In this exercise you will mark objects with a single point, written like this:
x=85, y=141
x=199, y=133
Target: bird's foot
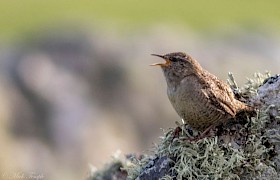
x=176, y=132
x=202, y=135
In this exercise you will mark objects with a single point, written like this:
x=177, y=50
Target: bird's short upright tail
x=246, y=109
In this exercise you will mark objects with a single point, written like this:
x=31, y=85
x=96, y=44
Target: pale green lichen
x=135, y=165
x=209, y=158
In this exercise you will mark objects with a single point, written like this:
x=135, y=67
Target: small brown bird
x=199, y=97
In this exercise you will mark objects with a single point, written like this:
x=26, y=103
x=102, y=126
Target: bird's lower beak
x=167, y=61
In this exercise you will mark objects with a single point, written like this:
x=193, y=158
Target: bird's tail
x=246, y=109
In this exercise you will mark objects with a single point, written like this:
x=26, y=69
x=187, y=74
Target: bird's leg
x=200, y=136
x=176, y=131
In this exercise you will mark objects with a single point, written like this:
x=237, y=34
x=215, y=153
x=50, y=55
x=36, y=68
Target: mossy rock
x=247, y=147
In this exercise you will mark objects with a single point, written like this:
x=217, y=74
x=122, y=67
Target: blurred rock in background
x=73, y=94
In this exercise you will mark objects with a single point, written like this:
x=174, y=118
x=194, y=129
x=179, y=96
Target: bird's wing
x=220, y=95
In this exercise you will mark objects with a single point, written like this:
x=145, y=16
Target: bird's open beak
x=167, y=61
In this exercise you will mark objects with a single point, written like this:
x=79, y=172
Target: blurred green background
x=75, y=81
x=18, y=17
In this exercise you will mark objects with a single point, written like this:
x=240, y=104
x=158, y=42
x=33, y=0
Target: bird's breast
x=182, y=96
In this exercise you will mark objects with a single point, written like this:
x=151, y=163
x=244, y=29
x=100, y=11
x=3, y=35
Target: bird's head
x=172, y=59
x=177, y=65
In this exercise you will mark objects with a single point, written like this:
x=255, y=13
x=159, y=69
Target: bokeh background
x=75, y=80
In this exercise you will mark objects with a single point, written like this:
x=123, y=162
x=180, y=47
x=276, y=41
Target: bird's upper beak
x=167, y=61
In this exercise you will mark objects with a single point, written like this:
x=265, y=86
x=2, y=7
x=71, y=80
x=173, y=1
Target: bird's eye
x=177, y=59
x=173, y=59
